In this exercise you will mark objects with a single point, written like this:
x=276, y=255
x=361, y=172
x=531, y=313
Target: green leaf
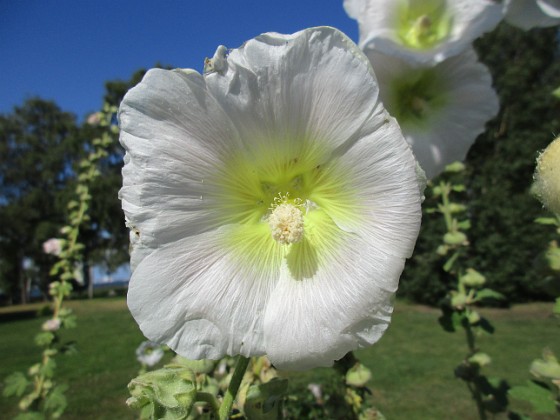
x=488, y=294
x=546, y=220
x=47, y=368
x=449, y=263
x=69, y=321
x=452, y=320
x=264, y=401
x=537, y=394
x=464, y=224
x=485, y=325
x=44, y=339
x=15, y=384
x=56, y=402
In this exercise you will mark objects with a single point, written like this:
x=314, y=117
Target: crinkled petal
x=292, y=86
x=172, y=145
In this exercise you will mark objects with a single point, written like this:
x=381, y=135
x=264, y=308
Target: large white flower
x=272, y=202
x=441, y=109
x=422, y=31
x=527, y=14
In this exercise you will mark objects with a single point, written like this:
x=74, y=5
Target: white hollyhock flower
x=422, y=31
x=441, y=109
x=272, y=202
x=527, y=14
x=52, y=246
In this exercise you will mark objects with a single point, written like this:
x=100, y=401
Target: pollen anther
x=286, y=220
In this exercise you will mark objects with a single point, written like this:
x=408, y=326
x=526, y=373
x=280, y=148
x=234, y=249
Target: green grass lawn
x=412, y=365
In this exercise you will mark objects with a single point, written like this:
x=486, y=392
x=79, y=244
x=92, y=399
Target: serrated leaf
x=15, y=384
x=538, y=395
x=56, y=401
x=47, y=368
x=44, y=339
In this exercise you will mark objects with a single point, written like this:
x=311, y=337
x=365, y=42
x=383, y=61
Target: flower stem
x=238, y=373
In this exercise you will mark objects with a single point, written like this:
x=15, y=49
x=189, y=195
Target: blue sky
x=64, y=50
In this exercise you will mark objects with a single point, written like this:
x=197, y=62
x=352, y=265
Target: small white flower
x=51, y=325
x=272, y=202
x=527, y=14
x=149, y=353
x=52, y=246
x=422, y=31
x=441, y=109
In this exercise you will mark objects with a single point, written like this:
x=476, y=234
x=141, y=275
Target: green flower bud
x=358, y=375
x=473, y=317
x=458, y=300
x=472, y=278
x=481, y=359
x=455, y=238
x=546, y=184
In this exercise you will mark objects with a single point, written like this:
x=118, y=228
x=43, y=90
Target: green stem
x=238, y=373
x=445, y=191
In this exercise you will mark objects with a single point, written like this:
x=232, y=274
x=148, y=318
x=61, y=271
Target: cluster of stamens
x=286, y=220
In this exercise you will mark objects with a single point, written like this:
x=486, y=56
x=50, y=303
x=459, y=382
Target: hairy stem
x=231, y=393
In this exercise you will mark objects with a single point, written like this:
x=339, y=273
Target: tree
x=38, y=145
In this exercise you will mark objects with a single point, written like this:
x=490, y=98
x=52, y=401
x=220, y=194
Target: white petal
x=280, y=89
x=346, y=305
x=550, y=7
x=527, y=14
x=194, y=296
x=383, y=168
